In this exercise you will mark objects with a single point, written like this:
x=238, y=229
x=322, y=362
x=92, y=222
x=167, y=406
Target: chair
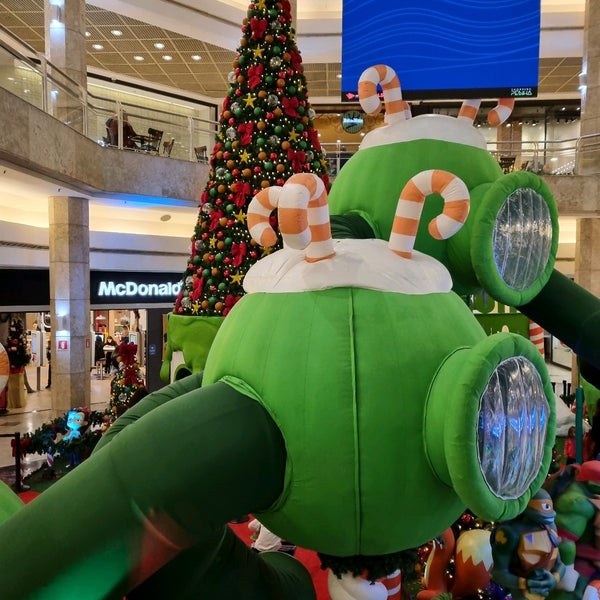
x=201, y=153
x=507, y=163
x=152, y=144
x=167, y=147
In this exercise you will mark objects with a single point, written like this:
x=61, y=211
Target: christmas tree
x=16, y=345
x=266, y=134
x=127, y=387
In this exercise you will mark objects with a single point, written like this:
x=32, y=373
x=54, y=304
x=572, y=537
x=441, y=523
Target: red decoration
x=245, y=129
x=214, y=217
x=297, y=159
x=255, y=75
x=289, y=106
x=238, y=251
x=241, y=192
x=258, y=27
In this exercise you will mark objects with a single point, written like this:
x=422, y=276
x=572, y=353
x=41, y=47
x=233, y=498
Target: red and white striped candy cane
x=410, y=205
x=496, y=116
x=536, y=336
x=303, y=214
x=393, y=585
x=259, y=212
x=396, y=109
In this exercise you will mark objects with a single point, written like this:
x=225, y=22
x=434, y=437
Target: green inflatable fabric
x=163, y=500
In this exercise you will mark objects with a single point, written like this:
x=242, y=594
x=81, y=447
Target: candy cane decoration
x=410, y=205
x=303, y=214
x=259, y=212
x=536, y=336
x=496, y=116
x=396, y=109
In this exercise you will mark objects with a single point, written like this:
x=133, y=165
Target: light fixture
x=116, y=32
x=159, y=45
x=196, y=57
x=97, y=46
x=138, y=57
x=167, y=57
x=88, y=34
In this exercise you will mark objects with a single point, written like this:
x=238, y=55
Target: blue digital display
x=444, y=49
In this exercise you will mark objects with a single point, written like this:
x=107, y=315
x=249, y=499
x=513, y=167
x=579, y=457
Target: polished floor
x=38, y=409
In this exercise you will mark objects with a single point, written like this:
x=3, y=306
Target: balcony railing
x=27, y=74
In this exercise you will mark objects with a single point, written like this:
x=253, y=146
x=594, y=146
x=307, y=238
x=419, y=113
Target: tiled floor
x=37, y=409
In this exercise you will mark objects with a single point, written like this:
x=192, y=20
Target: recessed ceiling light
x=97, y=46
x=138, y=57
x=88, y=34
x=196, y=57
x=167, y=57
x=159, y=45
x=339, y=75
x=116, y=32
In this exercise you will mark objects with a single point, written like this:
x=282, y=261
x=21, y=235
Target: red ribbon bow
x=255, y=75
x=198, y=287
x=296, y=61
x=127, y=352
x=214, y=217
x=258, y=26
x=297, y=159
x=289, y=106
x=313, y=135
x=230, y=302
x=238, y=251
x=241, y=193
x=245, y=130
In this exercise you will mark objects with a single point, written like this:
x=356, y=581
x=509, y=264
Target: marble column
x=587, y=254
x=69, y=302
x=65, y=49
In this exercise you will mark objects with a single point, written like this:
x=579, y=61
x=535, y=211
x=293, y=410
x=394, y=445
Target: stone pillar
x=589, y=162
x=69, y=302
x=65, y=49
x=587, y=253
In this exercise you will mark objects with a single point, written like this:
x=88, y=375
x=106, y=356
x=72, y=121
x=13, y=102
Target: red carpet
x=307, y=557
x=28, y=496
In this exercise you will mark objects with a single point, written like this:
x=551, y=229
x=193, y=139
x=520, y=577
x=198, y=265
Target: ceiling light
x=97, y=46
x=339, y=75
x=88, y=34
x=116, y=32
x=167, y=57
x=196, y=57
x=159, y=45
x=138, y=57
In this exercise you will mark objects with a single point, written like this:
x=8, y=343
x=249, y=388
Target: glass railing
x=25, y=73
x=573, y=156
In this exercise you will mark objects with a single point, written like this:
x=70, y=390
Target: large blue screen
x=449, y=49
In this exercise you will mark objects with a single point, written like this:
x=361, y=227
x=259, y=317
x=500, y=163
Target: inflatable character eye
x=514, y=236
x=496, y=422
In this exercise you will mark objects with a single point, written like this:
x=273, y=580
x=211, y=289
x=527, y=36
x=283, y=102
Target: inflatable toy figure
x=507, y=245
x=472, y=555
x=576, y=494
x=525, y=551
x=350, y=401
x=77, y=424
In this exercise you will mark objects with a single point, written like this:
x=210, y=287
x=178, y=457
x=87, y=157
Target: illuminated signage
x=133, y=288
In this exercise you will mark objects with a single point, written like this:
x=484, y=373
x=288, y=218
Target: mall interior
x=85, y=216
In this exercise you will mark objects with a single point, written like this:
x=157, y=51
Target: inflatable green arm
x=166, y=483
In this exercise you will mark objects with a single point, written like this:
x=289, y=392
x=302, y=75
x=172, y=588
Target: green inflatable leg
x=175, y=469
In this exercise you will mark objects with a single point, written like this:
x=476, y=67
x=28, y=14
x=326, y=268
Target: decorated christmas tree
x=127, y=386
x=16, y=346
x=266, y=134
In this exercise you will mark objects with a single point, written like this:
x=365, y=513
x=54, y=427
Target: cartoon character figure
x=350, y=401
x=77, y=424
x=576, y=494
x=525, y=551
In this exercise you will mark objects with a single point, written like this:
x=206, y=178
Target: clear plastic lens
x=522, y=238
x=513, y=420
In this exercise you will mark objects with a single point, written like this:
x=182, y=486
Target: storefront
x=133, y=302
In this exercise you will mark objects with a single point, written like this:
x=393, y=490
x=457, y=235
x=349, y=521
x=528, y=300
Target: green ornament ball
x=230, y=208
x=205, y=273
x=222, y=286
x=268, y=166
x=276, y=50
x=291, y=90
x=257, y=111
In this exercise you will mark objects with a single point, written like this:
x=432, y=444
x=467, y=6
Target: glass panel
x=522, y=238
x=513, y=420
